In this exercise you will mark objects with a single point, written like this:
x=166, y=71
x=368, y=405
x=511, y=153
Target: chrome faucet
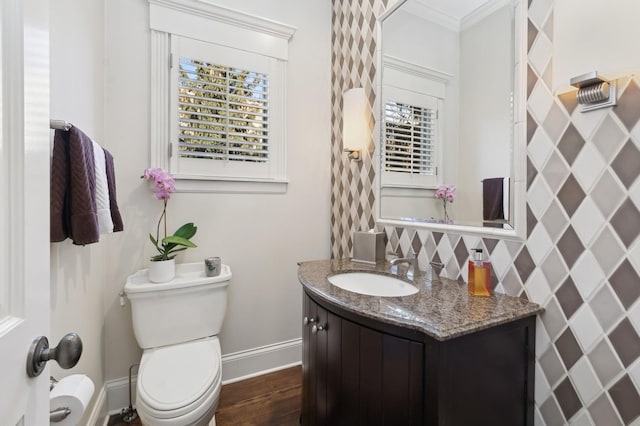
x=430, y=267
x=411, y=261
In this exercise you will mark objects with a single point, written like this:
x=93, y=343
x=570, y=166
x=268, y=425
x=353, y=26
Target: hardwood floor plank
x=271, y=400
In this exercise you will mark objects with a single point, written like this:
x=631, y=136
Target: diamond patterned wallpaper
x=581, y=259
x=353, y=64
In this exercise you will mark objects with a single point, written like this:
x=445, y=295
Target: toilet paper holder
x=59, y=414
x=69, y=398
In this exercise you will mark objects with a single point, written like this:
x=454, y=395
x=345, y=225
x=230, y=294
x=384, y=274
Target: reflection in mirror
x=448, y=109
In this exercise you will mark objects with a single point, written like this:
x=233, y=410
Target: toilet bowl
x=176, y=324
x=180, y=384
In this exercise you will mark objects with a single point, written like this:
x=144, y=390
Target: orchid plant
x=446, y=193
x=169, y=246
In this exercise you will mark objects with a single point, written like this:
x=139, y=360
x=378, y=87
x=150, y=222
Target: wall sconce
x=594, y=91
x=355, y=123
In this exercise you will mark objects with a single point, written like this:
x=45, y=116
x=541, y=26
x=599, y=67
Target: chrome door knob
x=317, y=327
x=67, y=353
x=308, y=320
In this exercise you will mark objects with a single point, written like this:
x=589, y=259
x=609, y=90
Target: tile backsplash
x=582, y=253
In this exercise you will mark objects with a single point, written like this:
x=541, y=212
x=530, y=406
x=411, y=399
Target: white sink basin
x=372, y=284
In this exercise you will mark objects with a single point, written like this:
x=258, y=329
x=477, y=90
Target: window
x=222, y=122
x=218, y=97
x=223, y=112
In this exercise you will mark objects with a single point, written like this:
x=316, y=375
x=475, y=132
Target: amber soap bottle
x=479, y=274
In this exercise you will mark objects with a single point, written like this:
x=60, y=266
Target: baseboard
x=235, y=367
x=254, y=362
x=98, y=415
x=118, y=394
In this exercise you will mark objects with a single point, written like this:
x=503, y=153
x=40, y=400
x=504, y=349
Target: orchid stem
x=162, y=216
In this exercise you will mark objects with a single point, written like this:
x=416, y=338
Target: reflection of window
x=223, y=112
x=411, y=149
x=409, y=139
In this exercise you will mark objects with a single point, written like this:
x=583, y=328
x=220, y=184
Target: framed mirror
x=451, y=114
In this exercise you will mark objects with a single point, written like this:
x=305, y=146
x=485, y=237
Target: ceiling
x=454, y=8
x=453, y=14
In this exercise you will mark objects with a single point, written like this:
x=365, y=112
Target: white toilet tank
x=189, y=307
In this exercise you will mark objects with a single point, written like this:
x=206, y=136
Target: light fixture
x=355, y=122
x=594, y=91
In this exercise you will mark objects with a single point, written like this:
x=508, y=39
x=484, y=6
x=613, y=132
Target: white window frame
x=415, y=85
x=172, y=20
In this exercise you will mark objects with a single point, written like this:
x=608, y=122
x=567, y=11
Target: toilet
x=176, y=323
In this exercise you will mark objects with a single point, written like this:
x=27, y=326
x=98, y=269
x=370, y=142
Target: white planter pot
x=162, y=271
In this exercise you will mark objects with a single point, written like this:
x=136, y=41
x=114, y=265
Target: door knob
x=318, y=327
x=67, y=353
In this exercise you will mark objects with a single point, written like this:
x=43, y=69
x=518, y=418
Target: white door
x=24, y=207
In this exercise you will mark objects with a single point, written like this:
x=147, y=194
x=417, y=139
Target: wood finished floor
x=272, y=399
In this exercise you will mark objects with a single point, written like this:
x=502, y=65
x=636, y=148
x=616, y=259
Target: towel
x=73, y=188
x=83, y=192
x=495, y=198
x=103, y=208
x=111, y=184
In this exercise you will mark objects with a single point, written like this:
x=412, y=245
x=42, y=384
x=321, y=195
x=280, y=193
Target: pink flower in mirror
x=446, y=193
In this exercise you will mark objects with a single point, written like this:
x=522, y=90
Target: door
x=24, y=206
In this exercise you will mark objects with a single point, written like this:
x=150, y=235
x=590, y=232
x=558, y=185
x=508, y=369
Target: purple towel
x=73, y=189
x=73, y=185
x=493, y=198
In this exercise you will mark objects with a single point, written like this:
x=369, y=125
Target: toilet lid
x=176, y=376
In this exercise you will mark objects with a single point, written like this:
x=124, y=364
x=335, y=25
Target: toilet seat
x=180, y=380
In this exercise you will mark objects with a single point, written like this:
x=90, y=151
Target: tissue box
x=368, y=247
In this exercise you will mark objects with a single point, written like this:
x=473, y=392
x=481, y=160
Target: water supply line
x=129, y=414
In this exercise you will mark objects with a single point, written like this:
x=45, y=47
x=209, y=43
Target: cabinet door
x=314, y=364
x=354, y=375
x=372, y=378
x=309, y=369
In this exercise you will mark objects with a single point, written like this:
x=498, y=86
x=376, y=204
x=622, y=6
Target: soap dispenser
x=479, y=274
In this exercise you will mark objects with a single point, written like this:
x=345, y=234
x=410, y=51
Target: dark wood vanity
x=368, y=368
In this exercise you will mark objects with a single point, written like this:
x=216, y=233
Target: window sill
x=231, y=186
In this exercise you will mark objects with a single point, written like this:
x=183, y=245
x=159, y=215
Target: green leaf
x=155, y=244
x=159, y=257
x=171, y=254
x=186, y=231
x=178, y=241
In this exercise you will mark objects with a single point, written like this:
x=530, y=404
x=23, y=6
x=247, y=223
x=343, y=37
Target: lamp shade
x=355, y=116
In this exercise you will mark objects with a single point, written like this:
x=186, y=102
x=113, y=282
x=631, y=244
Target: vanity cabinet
x=360, y=371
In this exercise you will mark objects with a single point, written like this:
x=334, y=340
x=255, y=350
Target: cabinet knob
x=318, y=327
x=308, y=320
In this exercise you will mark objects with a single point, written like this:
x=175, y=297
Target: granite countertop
x=442, y=308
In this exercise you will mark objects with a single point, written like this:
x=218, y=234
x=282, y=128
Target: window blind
x=223, y=112
x=410, y=139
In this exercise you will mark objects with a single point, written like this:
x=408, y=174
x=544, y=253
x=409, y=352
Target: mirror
x=452, y=111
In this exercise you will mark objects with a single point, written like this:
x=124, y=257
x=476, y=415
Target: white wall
x=260, y=236
x=100, y=65
x=404, y=37
x=592, y=37
x=77, y=272
x=486, y=67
